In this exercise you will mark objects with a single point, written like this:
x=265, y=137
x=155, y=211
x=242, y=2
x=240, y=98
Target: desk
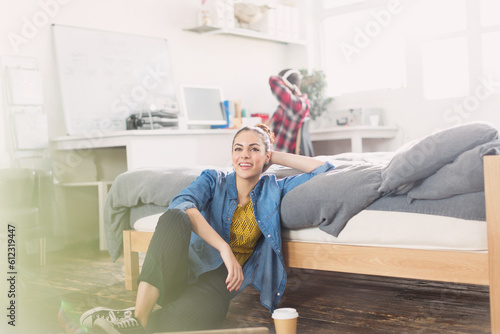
x=355, y=133
x=111, y=154
x=157, y=148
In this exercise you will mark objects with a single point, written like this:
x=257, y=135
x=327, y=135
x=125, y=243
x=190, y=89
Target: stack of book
x=152, y=120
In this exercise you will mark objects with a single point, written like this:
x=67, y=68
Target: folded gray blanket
x=152, y=186
x=454, y=155
x=329, y=200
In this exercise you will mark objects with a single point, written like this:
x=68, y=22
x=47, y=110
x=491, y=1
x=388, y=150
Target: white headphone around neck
x=287, y=74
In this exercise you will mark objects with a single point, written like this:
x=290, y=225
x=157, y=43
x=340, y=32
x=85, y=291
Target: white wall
x=241, y=66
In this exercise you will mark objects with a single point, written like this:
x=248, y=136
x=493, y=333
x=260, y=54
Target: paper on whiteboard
x=24, y=87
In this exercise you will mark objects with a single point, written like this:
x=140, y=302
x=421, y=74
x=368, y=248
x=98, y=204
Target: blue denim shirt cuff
x=323, y=168
x=184, y=206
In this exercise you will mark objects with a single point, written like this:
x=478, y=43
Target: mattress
x=387, y=229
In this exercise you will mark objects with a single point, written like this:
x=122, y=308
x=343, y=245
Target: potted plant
x=313, y=84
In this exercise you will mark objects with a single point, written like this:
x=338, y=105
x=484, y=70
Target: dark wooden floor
x=81, y=278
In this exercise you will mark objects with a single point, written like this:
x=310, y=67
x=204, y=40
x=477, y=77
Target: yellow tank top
x=244, y=232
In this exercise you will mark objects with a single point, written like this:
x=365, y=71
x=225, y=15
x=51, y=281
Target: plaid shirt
x=289, y=116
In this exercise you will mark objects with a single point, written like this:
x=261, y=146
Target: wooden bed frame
x=448, y=266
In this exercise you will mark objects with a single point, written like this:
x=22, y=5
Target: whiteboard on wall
x=106, y=76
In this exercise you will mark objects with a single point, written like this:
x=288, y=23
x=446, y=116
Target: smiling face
x=249, y=155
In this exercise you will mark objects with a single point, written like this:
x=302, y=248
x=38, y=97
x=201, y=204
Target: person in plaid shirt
x=292, y=110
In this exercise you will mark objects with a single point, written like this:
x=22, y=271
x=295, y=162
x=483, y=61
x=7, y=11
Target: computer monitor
x=203, y=105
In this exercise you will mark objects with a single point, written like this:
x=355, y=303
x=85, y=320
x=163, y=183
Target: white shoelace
x=126, y=323
x=112, y=316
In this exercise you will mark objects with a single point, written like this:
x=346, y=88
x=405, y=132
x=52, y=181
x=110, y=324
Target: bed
x=427, y=211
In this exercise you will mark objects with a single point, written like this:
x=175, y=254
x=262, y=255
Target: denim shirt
x=214, y=194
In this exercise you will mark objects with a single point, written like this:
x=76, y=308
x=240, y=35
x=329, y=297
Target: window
x=431, y=18
x=489, y=12
x=371, y=48
x=362, y=52
x=491, y=54
x=490, y=41
x=445, y=68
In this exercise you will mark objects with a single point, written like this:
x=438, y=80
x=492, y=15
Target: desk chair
x=26, y=203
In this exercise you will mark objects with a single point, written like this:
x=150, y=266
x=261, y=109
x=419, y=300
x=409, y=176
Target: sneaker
x=126, y=325
x=88, y=318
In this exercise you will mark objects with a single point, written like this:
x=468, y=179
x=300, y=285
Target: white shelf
x=355, y=133
x=212, y=30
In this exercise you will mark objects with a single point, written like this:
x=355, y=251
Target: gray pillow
x=329, y=200
x=423, y=157
x=464, y=175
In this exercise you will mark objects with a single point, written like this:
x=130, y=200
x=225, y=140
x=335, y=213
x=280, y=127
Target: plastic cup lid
x=285, y=313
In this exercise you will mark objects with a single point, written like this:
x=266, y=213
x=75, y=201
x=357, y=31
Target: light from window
x=363, y=53
x=489, y=12
x=491, y=55
x=429, y=18
x=445, y=69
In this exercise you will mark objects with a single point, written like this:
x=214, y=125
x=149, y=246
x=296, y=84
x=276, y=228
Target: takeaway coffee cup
x=285, y=320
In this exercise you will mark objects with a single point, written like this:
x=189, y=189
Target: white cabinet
x=356, y=134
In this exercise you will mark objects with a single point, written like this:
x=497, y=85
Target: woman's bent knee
x=174, y=221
